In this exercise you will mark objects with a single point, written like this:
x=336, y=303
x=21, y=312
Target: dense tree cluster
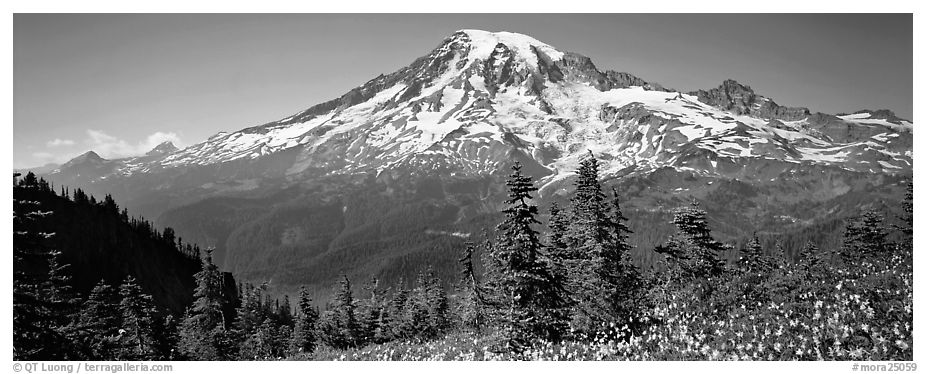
x=51, y=319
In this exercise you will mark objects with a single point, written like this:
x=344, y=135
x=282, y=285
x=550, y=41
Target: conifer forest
x=559, y=284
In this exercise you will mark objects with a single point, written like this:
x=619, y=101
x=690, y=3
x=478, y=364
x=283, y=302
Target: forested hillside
x=569, y=291
x=80, y=262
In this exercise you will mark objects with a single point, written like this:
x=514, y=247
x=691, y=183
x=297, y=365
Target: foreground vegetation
x=811, y=311
x=569, y=294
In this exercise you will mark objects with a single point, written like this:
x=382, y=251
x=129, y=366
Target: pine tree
x=60, y=308
x=397, y=320
x=906, y=222
x=812, y=258
x=779, y=257
x=285, y=311
x=98, y=323
x=472, y=304
x=591, y=245
x=268, y=340
x=438, y=307
x=44, y=304
x=524, y=288
x=751, y=257
x=693, y=252
x=557, y=234
x=57, y=290
x=864, y=238
x=305, y=336
x=34, y=336
x=558, y=252
x=415, y=324
x=589, y=231
x=202, y=332
x=167, y=338
x=338, y=326
x=249, y=316
x=370, y=311
x=137, y=333
x=625, y=283
x=602, y=279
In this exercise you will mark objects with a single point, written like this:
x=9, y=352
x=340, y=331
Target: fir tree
x=202, y=332
x=268, y=340
x=43, y=303
x=59, y=306
x=438, y=307
x=602, y=279
x=98, y=323
x=137, y=332
x=864, y=238
x=558, y=253
x=370, y=310
x=812, y=258
x=779, y=257
x=751, y=258
x=905, y=227
x=338, y=326
x=29, y=331
x=167, y=338
x=589, y=231
x=57, y=291
x=415, y=324
x=556, y=236
x=907, y=206
x=694, y=252
x=304, y=337
x=525, y=288
x=397, y=312
x=471, y=308
x=249, y=316
x=624, y=280
x=285, y=311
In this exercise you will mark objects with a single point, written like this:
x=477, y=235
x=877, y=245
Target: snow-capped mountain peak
x=161, y=149
x=482, y=99
x=89, y=157
x=483, y=44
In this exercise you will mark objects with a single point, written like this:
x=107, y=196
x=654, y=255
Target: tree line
x=572, y=280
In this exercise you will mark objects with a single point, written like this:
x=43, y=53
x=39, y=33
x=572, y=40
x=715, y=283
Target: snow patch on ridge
x=483, y=44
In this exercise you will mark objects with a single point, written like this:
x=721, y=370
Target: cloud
x=105, y=145
x=59, y=142
x=43, y=158
x=109, y=146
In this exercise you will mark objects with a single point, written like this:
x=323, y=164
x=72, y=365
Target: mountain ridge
x=475, y=71
x=529, y=66
x=424, y=150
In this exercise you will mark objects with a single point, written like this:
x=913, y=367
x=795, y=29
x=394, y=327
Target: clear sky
x=120, y=84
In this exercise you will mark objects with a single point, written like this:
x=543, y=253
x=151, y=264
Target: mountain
x=44, y=169
x=480, y=96
x=397, y=172
x=162, y=149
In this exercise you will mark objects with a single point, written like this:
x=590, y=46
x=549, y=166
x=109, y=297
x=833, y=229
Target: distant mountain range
x=395, y=174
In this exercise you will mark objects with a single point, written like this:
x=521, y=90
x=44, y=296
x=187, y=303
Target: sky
x=121, y=84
